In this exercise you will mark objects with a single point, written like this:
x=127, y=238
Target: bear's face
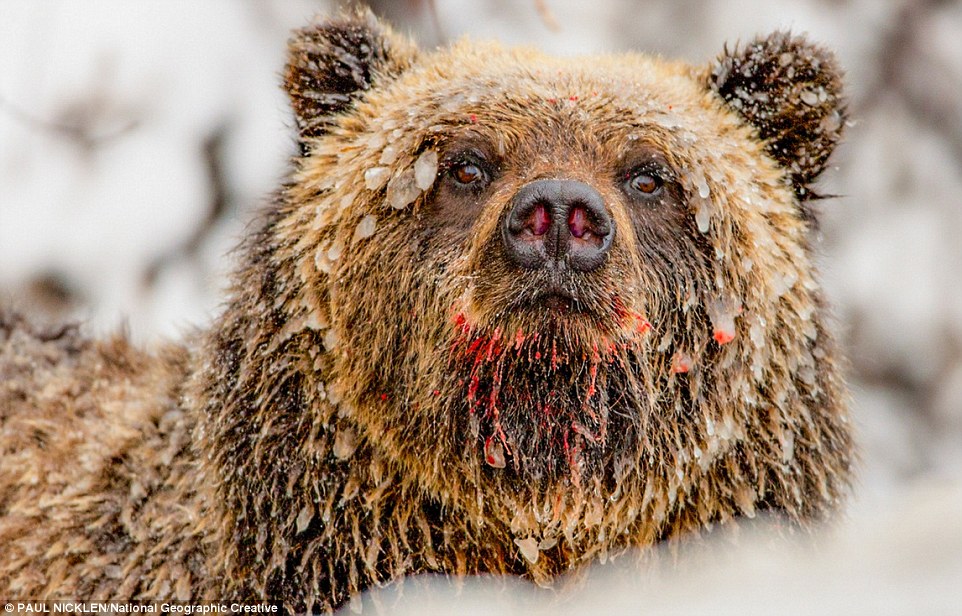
x=542, y=272
x=551, y=208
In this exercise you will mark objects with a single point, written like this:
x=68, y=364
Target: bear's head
x=536, y=277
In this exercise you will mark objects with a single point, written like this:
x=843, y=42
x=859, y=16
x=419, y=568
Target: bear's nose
x=554, y=222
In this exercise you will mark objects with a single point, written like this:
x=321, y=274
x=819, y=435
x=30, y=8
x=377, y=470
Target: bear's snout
x=557, y=223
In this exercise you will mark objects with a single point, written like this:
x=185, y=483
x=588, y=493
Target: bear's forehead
x=505, y=92
x=605, y=84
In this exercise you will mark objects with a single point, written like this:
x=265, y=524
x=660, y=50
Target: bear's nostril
x=539, y=222
x=578, y=222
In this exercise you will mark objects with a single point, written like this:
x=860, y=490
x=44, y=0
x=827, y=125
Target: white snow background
x=136, y=138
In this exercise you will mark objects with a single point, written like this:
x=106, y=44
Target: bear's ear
x=790, y=90
x=332, y=63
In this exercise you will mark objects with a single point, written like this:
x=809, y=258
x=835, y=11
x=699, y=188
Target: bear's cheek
x=452, y=213
x=666, y=242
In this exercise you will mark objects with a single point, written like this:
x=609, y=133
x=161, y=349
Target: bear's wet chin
x=546, y=405
x=549, y=428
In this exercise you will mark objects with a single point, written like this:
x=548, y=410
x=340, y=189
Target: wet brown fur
x=330, y=431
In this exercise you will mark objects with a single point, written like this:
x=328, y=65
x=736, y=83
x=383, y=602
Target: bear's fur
x=387, y=393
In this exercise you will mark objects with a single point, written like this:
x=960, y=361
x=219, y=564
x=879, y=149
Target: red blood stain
x=473, y=118
x=489, y=349
x=493, y=402
x=577, y=428
x=573, y=97
x=631, y=318
x=436, y=392
x=621, y=311
x=537, y=354
x=383, y=396
x=592, y=376
x=723, y=337
x=552, y=100
x=473, y=388
x=475, y=344
x=494, y=452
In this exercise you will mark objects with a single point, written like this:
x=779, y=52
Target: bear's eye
x=645, y=183
x=467, y=173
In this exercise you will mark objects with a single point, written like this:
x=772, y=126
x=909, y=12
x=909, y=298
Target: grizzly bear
x=509, y=314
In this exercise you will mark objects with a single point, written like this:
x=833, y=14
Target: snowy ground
x=135, y=139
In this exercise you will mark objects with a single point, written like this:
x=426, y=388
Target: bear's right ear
x=332, y=63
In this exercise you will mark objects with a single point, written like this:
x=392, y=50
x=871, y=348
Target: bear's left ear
x=790, y=91
x=332, y=63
